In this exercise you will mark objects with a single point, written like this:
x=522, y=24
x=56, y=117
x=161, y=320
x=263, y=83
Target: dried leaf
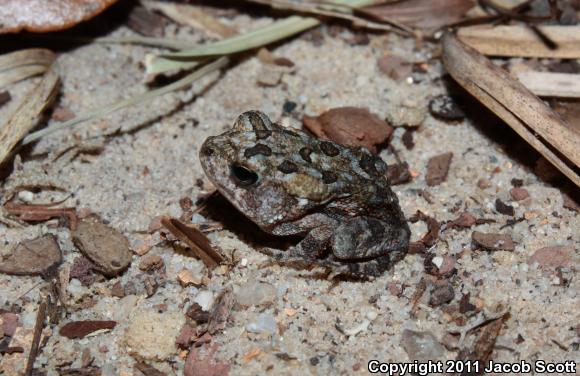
x=423, y=14
x=80, y=329
x=19, y=65
x=220, y=312
x=195, y=239
x=28, y=114
x=539, y=125
x=522, y=41
x=33, y=257
x=351, y=126
x=43, y=16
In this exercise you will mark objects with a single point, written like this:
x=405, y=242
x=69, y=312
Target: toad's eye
x=243, y=176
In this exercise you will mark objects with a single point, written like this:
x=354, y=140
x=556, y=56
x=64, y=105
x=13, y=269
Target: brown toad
x=289, y=183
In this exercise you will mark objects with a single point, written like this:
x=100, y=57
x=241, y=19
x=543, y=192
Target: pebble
x=519, y=194
x=106, y=247
x=26, y=196
x=441, y=294
x=151, y=335
x=255, y=293
x=264, y=323
x=205, y=299
x=404, y=116
x=33, y=257
x=553, y=257
x=445, y=107
x=493, y=242
x=421, y=346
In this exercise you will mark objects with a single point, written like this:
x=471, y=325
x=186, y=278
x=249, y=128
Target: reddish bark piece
x=9, y=323
x=519, y=194
x=464, y=220
x=350, y=126
x=33, y=257
x=106, y=247
x=395, y=67
x=41, y=212
x=493, y=242
x=398, y=173
x=42, y=16
x=438, y=168
x=186, y=336
x=423, y=14
x=152, y=262
x=82, y=269
x=80, y=329
x=553, y=257
x=207, y=365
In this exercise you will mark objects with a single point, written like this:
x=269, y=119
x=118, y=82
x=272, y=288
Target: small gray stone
x=255, y=293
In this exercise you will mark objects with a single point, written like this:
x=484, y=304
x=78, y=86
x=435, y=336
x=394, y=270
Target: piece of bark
x=493, y=242
x=145, y=22
x=80, y=329
x=504, y=208
x=522, y=41
x=395, y=67
x=39, y=256
x=398, y=173
x=438, y=168
x=350, y=126
x=41, y=212
x=553, y=257
x=529, y=116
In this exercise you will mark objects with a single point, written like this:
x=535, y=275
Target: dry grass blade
x=548, y=84
x=195, y=239
x=187, y=80
x=19, y=65
x=256, y=38
x=28, y=114
x=521, y=41
x=539, y=125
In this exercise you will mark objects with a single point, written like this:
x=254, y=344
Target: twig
x=40, y=317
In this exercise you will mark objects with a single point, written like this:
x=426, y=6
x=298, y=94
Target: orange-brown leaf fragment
x=350, y=126
x=42, y=16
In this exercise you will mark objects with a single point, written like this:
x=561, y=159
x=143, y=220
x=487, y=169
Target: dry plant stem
x=358, y=21
x=195, y=239
x=539, y=125
x=38, y=326
x=187, y=80
x=521, y=41
x=28, y=114
x=547, y=84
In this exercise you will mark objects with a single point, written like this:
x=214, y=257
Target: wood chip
x=40, y=256
x=547, y=84
x=80, y=329
x=539, y=125
x=351, y=126
x=207, y=366
x=493, y=242
x=195, y=239
x=522, y=41
x=395, y=67
x=399, y=173
x=220, y=312
x=152, y=262
x=438, y=168
x=41, y=213
x=42, y=16
x=106, y=247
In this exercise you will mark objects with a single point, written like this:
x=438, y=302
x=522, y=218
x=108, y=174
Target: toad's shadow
x=218, y=208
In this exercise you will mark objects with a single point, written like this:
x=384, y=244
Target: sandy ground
x=150, y=161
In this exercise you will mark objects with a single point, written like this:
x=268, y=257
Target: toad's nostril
x=242, y=176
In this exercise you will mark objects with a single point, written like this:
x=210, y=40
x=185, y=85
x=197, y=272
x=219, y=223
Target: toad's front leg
x=311, y=247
